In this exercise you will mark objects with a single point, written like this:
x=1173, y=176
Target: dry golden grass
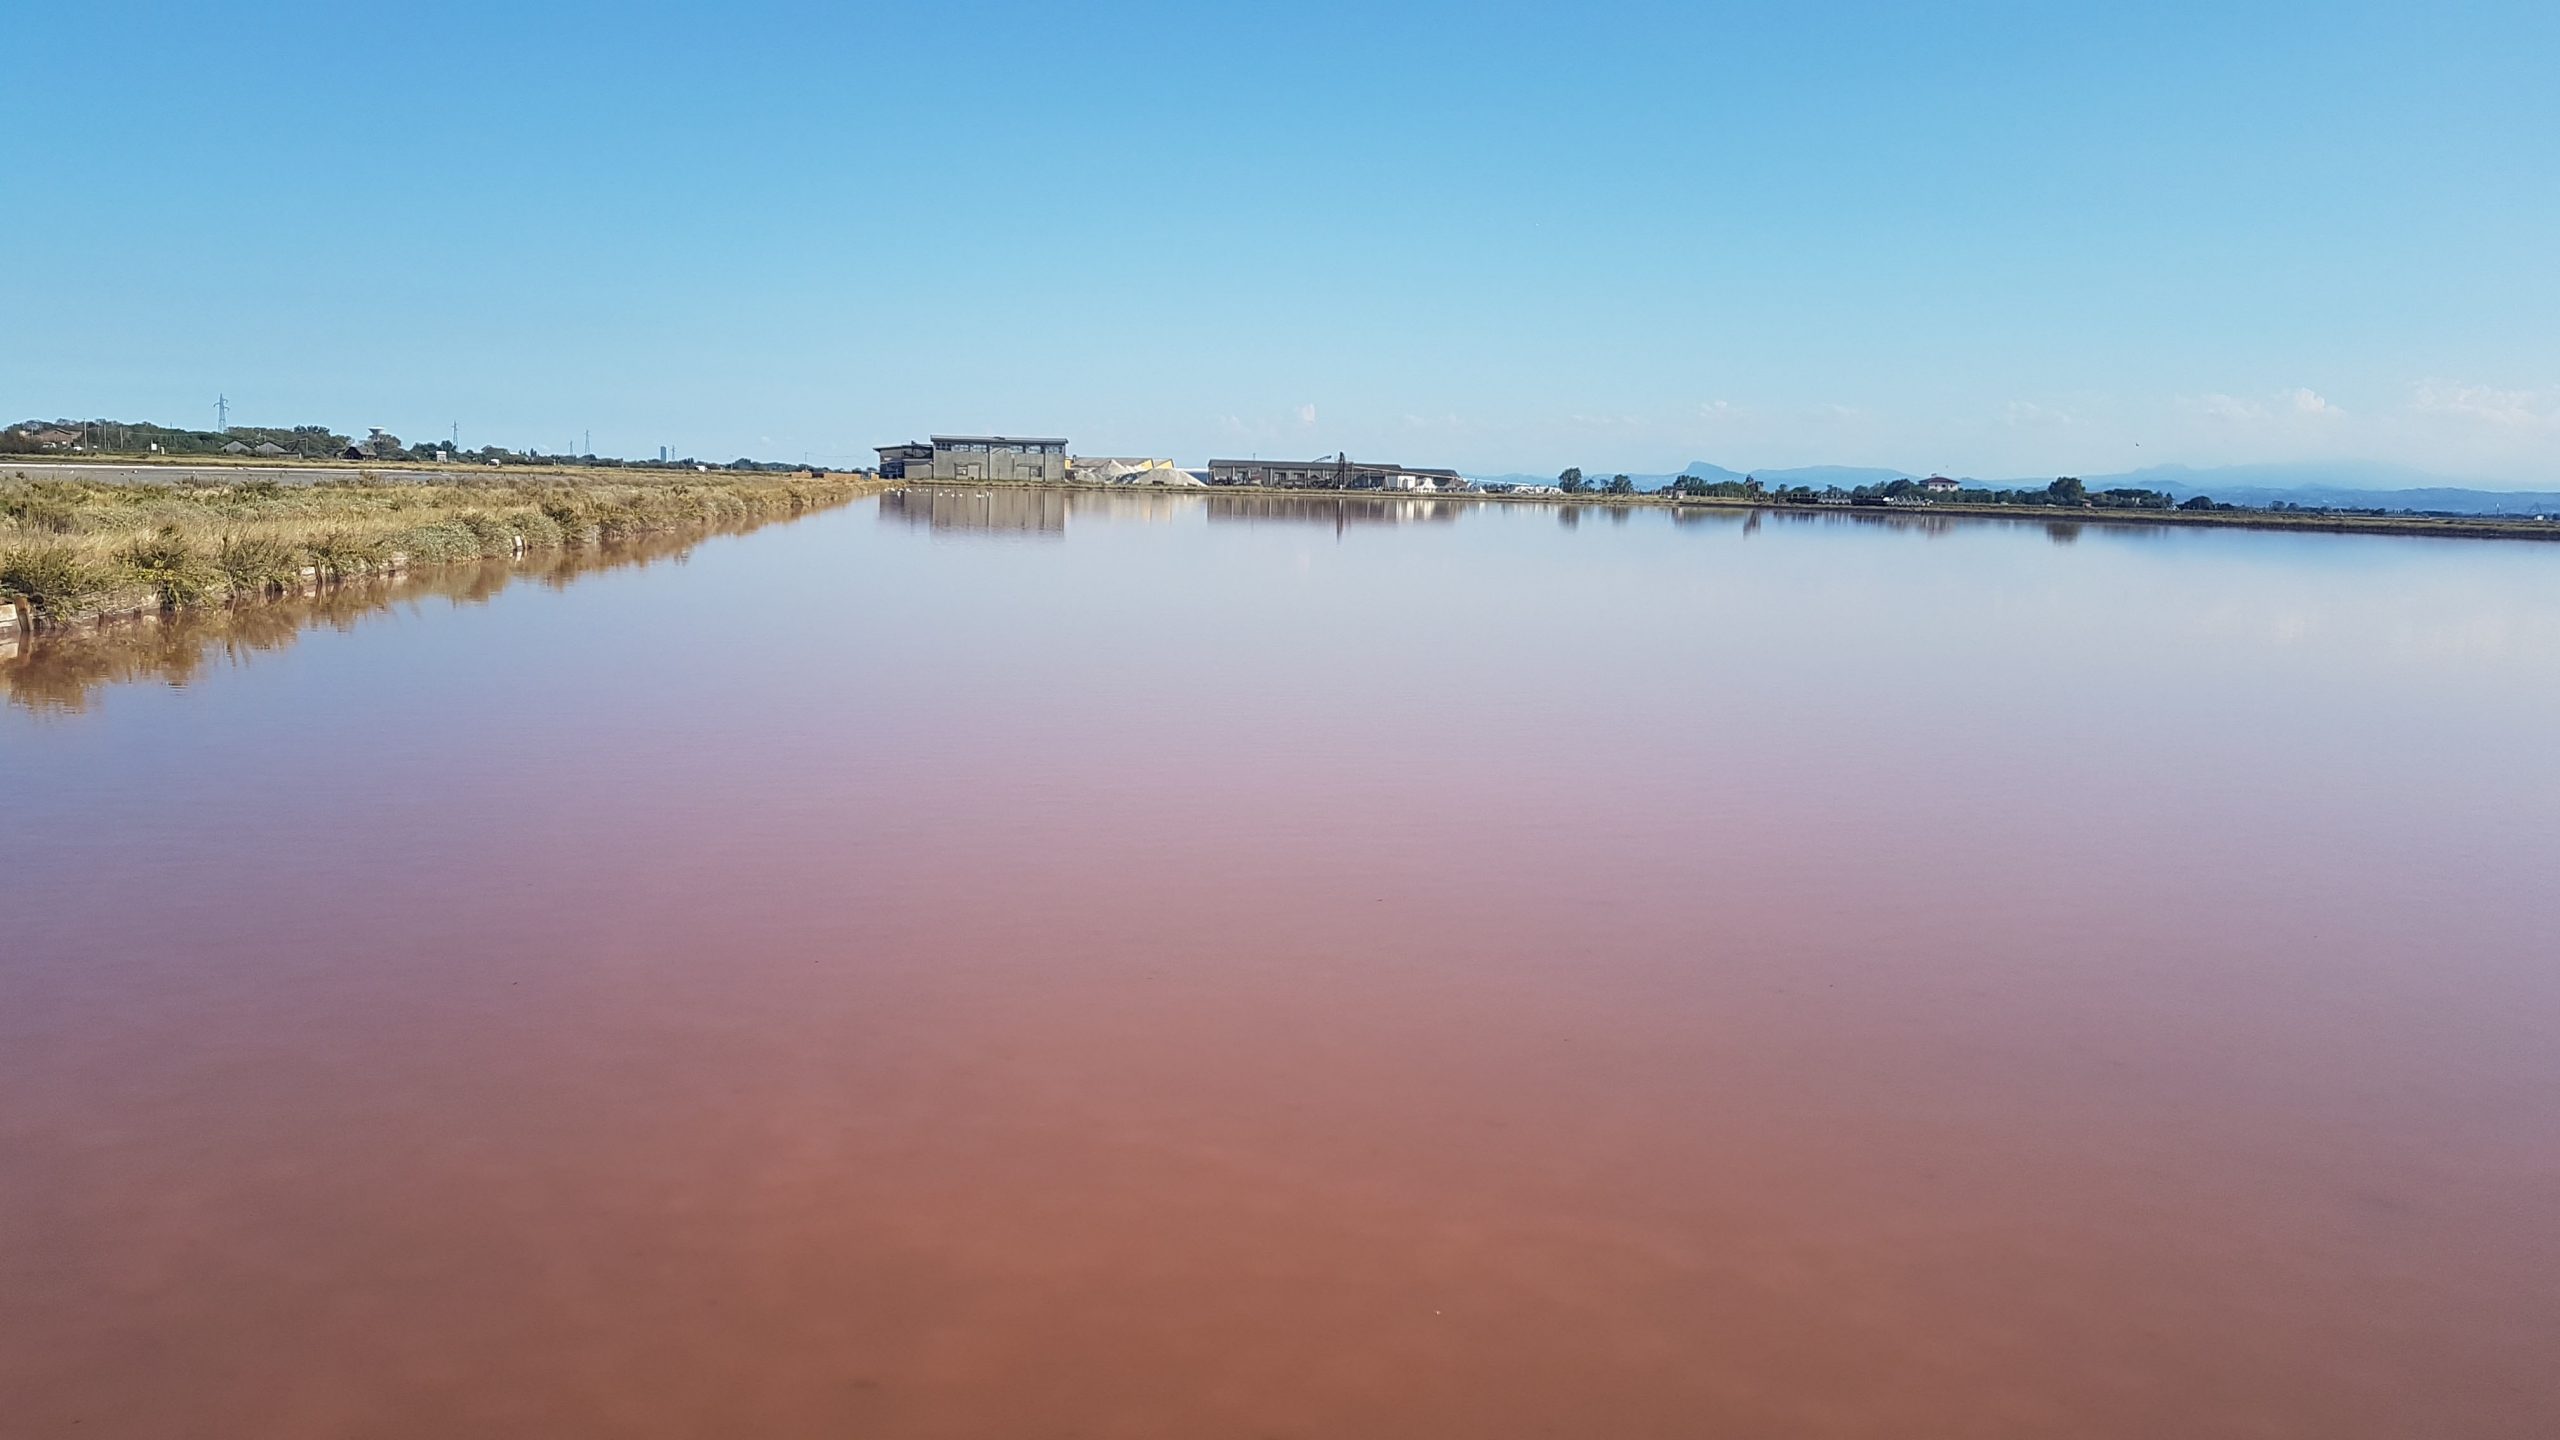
x=72, y=548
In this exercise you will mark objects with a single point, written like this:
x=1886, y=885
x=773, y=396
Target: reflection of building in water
x=1696, y=515
x=1137, y=506
x=1340, y=472
x=1907, y=521
x=1023, y=511
x=976, y=457
x=1339, y=514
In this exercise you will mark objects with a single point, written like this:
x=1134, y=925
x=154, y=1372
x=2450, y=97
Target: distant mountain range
x=2347, y=485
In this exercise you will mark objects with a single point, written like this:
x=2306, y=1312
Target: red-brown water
x=1174, y=969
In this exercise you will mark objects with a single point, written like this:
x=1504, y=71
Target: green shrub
x=624, y=515
x=256, y=565
x=436, y=544
x=164, y=549
x=492, y=535
x=53, y=579
x=339, y=555
x=47, y=506
x=576, y=523
x=168, y=563
x=539, y=530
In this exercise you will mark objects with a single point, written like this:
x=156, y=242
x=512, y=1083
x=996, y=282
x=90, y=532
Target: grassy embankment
x=72, y=550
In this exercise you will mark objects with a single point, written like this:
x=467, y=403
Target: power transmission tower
x=222, y=413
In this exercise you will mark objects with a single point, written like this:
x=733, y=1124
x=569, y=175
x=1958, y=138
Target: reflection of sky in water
x=1823, y=590
x=1117, y=937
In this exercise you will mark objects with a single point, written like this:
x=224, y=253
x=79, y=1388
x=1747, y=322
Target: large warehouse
x=1338, y=472
x=976, y=457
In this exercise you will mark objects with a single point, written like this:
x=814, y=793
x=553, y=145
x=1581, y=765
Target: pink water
x=1171, y=968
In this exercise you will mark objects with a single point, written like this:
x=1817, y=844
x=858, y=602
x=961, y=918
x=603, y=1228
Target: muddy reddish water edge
x=1089, y=966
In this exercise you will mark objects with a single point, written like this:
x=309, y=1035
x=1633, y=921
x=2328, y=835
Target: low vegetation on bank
x=71, y=549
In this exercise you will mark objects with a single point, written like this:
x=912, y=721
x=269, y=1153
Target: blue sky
x=1989, y=239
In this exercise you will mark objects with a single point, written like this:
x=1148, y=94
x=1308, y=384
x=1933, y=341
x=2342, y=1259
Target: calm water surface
x=1107, y=966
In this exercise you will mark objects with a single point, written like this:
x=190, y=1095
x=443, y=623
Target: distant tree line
x=2065, y=491
x=141, y=437
x=1572, y=482
x=315, y=442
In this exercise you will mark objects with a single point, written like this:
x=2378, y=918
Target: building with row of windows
x=976, y=457
x=1338, y=472
x=1045, y=460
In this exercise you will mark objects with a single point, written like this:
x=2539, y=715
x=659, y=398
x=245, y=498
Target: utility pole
x=590, y=448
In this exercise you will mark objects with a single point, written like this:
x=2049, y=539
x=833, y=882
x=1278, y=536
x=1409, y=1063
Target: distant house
x=1941, y=485
x=234, y=447
x=54, y=437
x=270, y=449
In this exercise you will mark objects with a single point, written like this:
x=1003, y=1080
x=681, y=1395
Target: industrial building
x=1338, y=472
x=894, y=460
x=1043, y=460
x=977, y=457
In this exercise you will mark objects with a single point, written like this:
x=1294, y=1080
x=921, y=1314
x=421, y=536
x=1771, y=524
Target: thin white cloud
x=1278, y=428
x=2300, y=402
x=2488, y=405
x=2027, y=412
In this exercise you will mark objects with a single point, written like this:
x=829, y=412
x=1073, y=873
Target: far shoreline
x=2480, y=527
x=2463, y=527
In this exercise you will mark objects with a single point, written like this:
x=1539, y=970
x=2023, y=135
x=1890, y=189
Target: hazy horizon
x=1985, y=243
